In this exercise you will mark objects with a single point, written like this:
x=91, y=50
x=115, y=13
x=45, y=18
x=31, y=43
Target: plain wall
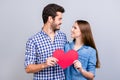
x=20, y=19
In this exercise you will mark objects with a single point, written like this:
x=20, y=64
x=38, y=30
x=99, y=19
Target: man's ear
x=50, y=19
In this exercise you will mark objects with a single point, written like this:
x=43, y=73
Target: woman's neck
x=78, y=44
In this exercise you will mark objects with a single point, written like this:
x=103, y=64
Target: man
x=40, y=47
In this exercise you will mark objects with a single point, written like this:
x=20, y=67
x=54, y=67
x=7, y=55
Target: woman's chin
x=72, y=36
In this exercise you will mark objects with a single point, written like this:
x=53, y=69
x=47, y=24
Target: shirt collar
x=56, y=33
x=73, y=43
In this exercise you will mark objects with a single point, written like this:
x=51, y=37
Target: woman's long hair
x=87, y=37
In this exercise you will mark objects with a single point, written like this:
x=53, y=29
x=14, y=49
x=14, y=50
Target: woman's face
x=75, y=31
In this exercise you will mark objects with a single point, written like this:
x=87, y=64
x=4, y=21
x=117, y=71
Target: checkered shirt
x=38, y=48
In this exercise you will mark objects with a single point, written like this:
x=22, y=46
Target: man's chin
x=57, y=29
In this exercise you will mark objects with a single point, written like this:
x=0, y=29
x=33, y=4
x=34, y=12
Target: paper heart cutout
x=65, y=59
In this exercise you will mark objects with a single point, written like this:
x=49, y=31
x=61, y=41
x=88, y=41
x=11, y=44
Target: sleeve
x=92, y=62
x=30, y=53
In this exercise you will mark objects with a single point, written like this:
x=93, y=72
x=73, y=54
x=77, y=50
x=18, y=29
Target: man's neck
x=48, y=30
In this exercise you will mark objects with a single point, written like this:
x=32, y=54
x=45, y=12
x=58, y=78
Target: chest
x=45, y=46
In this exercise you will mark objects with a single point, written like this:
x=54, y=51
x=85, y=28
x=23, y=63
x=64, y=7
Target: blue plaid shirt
x=39, y=48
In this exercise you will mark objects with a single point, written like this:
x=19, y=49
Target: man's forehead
x=58, y=13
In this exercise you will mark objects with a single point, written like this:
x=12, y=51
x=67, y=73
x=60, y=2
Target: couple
x=39, y=49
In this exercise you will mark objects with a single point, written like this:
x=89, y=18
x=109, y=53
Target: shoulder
x=34, y=37
x=90, y=50
x=68, y=46
x=61, y=33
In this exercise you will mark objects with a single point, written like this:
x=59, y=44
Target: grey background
x=20, y=19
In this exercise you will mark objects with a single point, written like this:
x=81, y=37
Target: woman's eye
x=75, y=27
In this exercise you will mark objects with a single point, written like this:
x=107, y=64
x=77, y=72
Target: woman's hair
x=87, y=37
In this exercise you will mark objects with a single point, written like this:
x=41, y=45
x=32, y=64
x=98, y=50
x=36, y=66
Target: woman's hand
x=77, y=64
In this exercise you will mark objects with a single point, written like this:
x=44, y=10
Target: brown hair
x=50, y=10
x=87, y=37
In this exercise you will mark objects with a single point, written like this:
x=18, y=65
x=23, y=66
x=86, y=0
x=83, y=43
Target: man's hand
x=51, y=61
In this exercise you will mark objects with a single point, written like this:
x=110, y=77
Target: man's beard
x=54, y=27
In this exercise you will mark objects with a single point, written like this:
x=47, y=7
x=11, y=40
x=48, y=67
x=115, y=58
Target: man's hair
x=50, y=10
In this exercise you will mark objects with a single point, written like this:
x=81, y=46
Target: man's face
x=57, y=21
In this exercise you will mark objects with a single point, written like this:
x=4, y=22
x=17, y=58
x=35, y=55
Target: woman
x=83, y=43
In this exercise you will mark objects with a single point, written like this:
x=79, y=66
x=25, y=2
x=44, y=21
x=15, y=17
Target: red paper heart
x=65, y=59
